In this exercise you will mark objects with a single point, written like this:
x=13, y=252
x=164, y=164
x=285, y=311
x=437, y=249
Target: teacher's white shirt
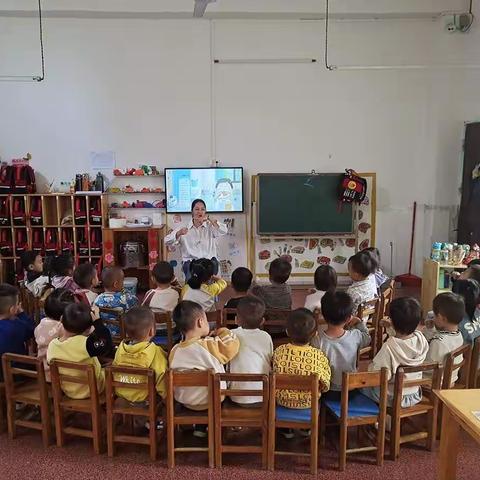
x=199, y=242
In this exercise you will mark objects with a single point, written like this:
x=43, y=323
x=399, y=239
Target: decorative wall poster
x=306, y=254
x=231, y=248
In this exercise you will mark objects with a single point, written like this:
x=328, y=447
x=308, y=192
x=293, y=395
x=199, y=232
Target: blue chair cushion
x=358, y=405
x=163, y=340
x=293, y=414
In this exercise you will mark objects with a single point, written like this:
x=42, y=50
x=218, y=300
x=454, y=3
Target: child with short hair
x=78, y=343
x=380, y=277
x=360, y=267
x=86, y=277
x=62, y=271
x=407, y=348
x=299, y=358
x=114, y=296
x=138, y=351
x=35, y=280
x=277, y=295
x=203, y=287
x=325, y=279
x=50, y=326
x=344, y=336
x=241, y=282
x=16, y=328
x=469, y=290
x=199, y=351
x=256, y=348
x=445, y=337
x=163, y=297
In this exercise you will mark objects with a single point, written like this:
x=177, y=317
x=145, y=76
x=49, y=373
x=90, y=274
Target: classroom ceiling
x=255, y=9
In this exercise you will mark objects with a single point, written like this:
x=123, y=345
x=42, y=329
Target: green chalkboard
x=301, y=204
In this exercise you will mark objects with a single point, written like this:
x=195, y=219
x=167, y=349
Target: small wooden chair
x=275, y=324
x=231, y=415
x=370, y=309
x=215, y=318
x=354, y=409
x=386, y=298
x=229, y=317
x=163, y=321
x=184, y=416
x=119, y=406
x=475, y=365
x=62, y=403
x=116, y=322
x=3, y=412
x=29, y=392
x=452, y=365
x=281, y=417
x=30, y=304
x=428, y=406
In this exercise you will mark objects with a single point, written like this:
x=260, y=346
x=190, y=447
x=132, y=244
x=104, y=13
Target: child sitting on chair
x=163, y=297
x=83, y=340
x=35, y=280
x=363, y=288
x=86, y=277
x=408, y=347
x=325, y=279
x=61, y=272
x=114, y=296
x=50, y=327
x=138, y=351
x=344, y=336
x=16, y=328
x=380, y=277
x=241, y=283
x=256, y=348
x=277, y=295
x=199, y=351
x=203, y=287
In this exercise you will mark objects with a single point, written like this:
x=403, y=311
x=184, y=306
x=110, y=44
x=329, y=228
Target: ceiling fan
x=200, y=7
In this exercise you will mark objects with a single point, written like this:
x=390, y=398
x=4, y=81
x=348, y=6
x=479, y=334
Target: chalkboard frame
x=300, y=234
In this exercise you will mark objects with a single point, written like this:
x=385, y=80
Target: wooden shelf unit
x=432, y=281
x=35, y=218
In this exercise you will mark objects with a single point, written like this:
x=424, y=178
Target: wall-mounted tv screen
x=220, y=188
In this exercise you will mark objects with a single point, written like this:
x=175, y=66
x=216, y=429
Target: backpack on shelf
x=37, y=241
x=18, y=211
x=36, y=211
x=6, y=179
x=5, y=211
x=21, y=240
x=80, y=211
x=82, y=239
x=96, y=242
x=353, y=188
x=24, y=179
x=6, y=248
x=95, y=211
x=51, y=241
x=67, y=241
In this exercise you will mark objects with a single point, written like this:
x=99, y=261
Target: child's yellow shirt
x=300, y=360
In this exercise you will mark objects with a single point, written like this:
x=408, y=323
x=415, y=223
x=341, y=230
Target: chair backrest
x=165, y=318
x=369, y=309
x=114, y=317
x=386, y=299
x=276, y=319
x=30, y=304
x=432, y=380
x=14, y=364
x=475, y=364
x=453, y=365
x=229, y=317
x=135, y=379
x=220, y=392
x=353, y=381
x=215, y=317
x=72, y=372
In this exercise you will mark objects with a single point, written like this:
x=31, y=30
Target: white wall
x=142, y=89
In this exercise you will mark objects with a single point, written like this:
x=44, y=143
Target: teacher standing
x=198, y=238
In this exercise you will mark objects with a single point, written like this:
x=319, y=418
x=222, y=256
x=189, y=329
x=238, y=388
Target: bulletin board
x=306, y=253
x=232, y=248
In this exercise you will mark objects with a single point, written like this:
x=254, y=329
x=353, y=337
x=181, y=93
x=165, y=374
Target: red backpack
x=37, y=241
x=80, y=211
x=95, y=211
x=36, y=211
x=6, y=242
x=82, y=241
x=67, y=240
x=353, y=188
x=51, y=241
x=18, y=211
x=96, y=242
x=21, y=240
x=6, y=179
x=4, y=211
x=23, y=179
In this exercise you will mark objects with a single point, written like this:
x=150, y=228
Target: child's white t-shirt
x=254, y=356
x=163, y=299
x=314, y=300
